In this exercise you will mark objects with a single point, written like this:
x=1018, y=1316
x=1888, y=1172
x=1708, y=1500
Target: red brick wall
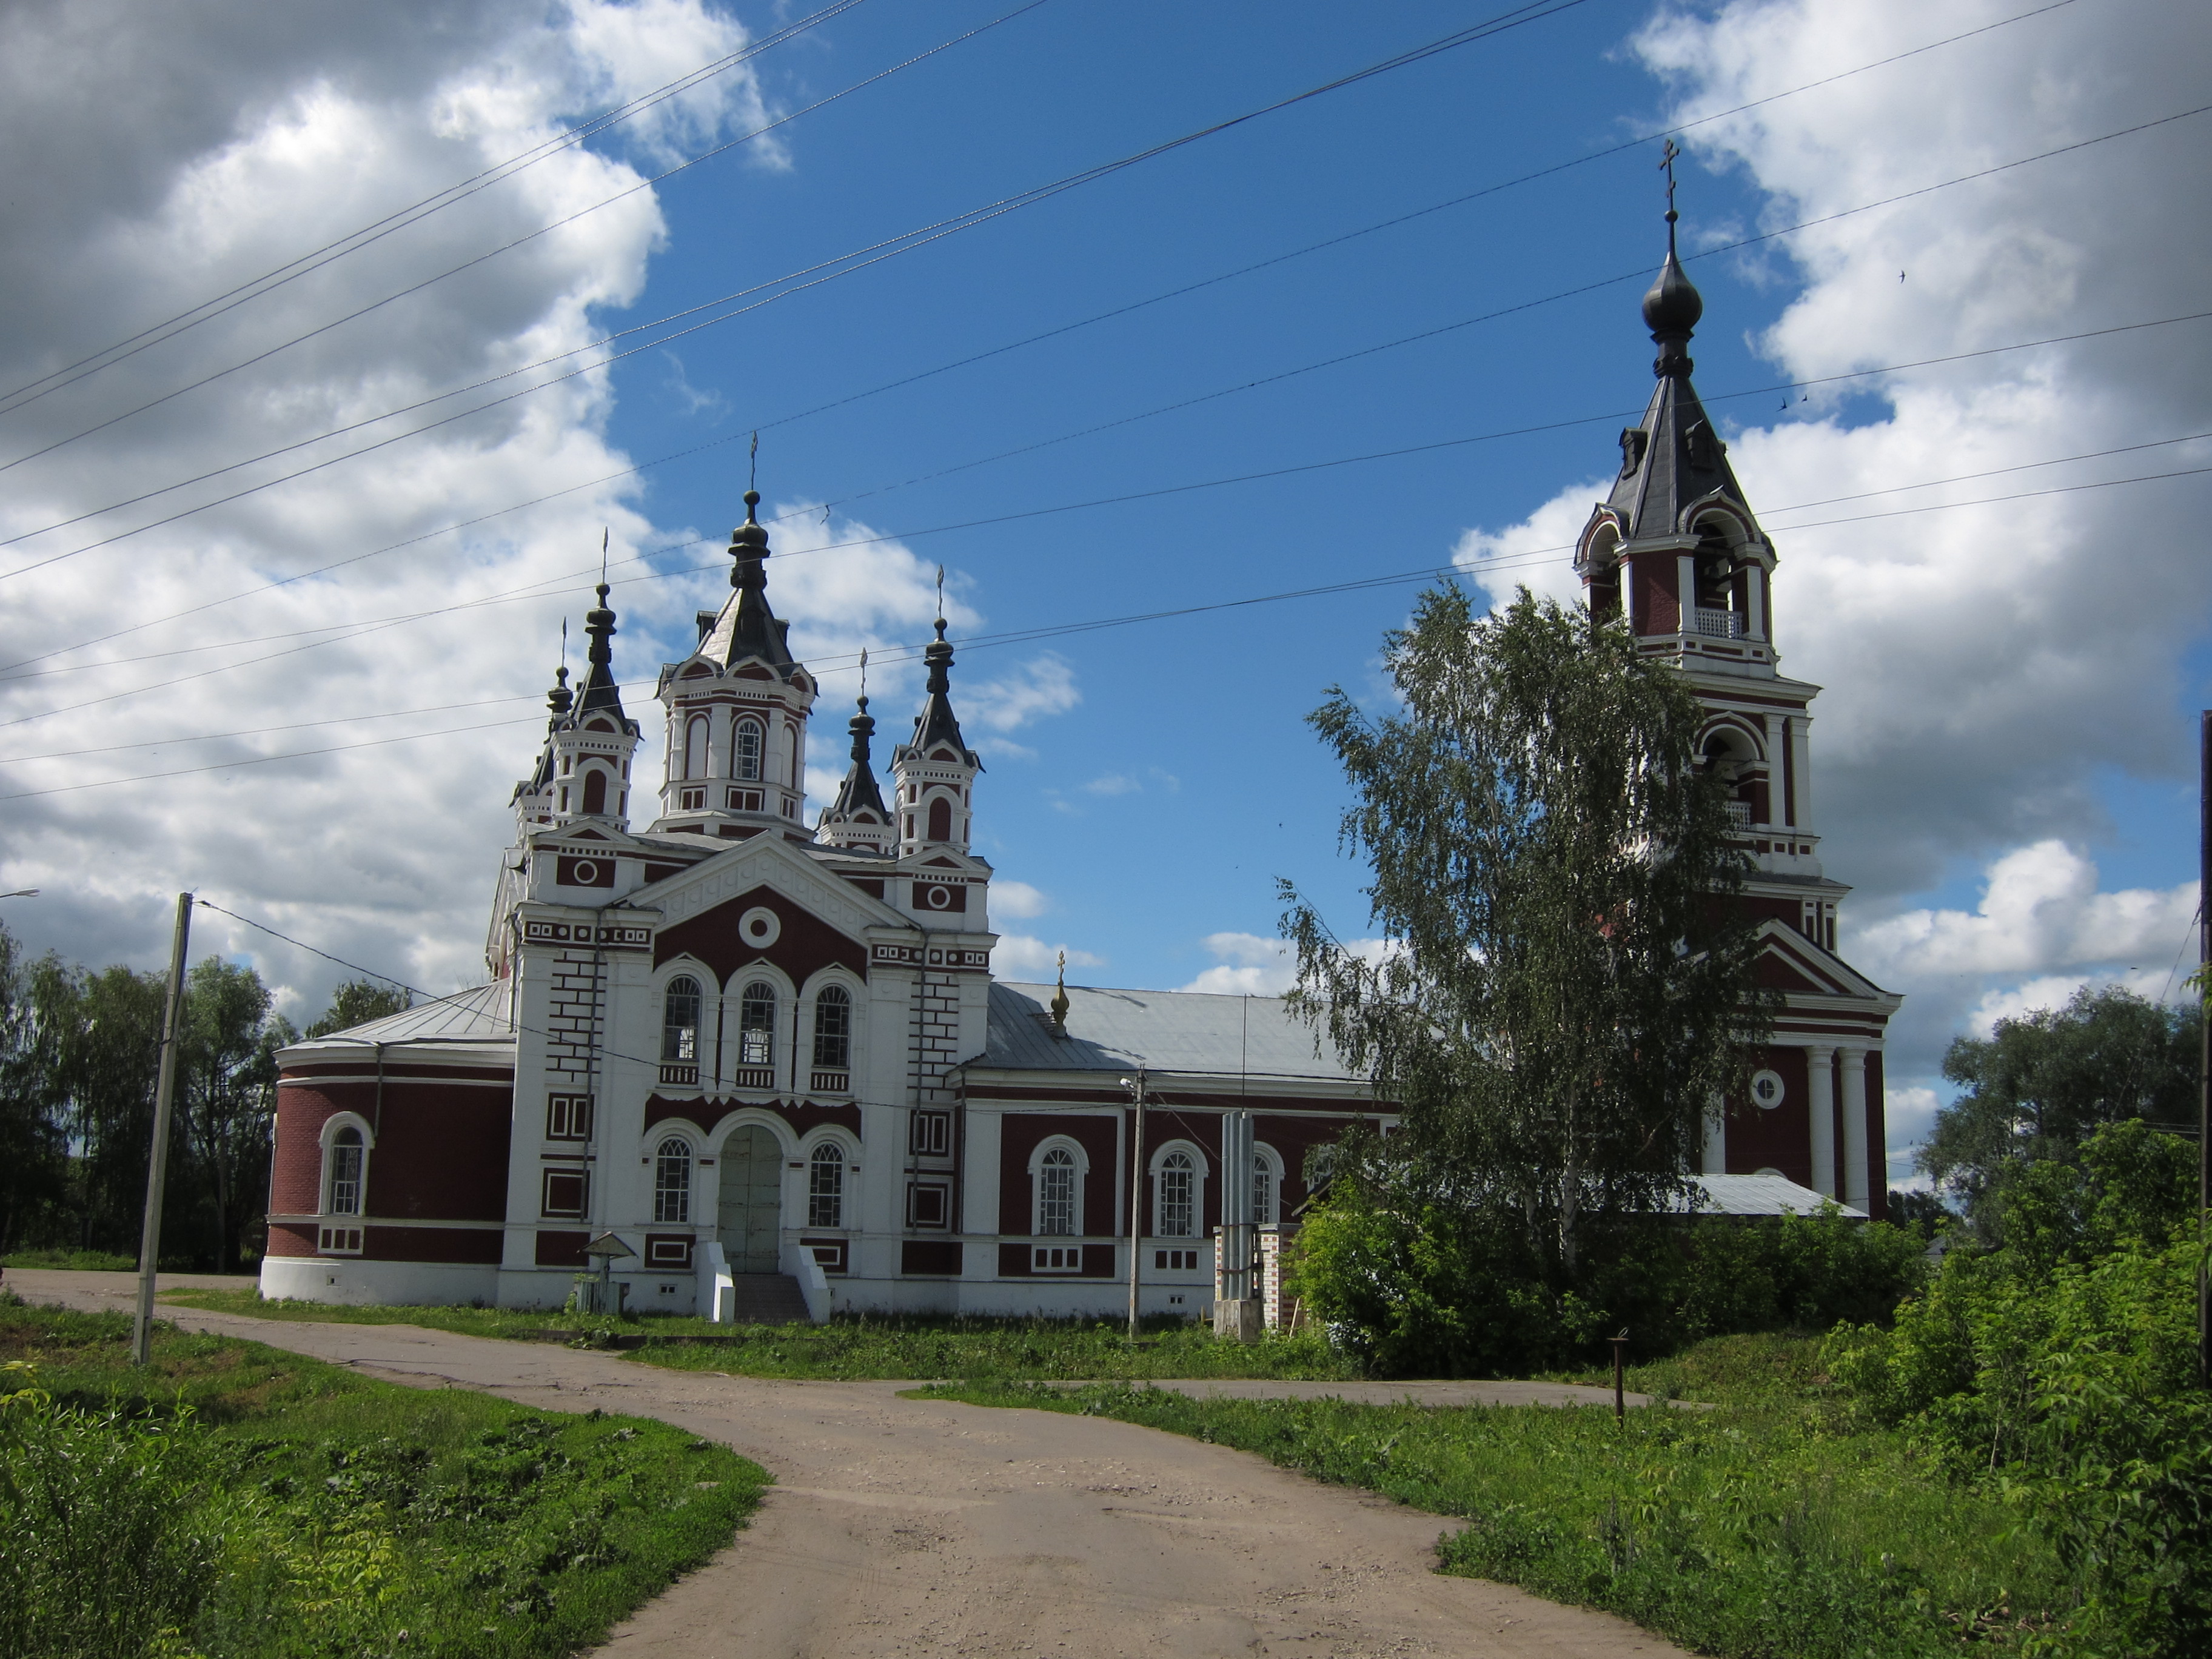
x=1780, y=1139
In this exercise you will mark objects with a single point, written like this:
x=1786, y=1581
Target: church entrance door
x=751, y=1219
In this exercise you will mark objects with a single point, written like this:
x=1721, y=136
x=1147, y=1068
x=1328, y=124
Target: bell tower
x=738, y=707
x=584, y=769
x=935, y=774
x=1676, y=554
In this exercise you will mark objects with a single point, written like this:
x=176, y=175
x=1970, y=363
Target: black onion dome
x=1673, y=304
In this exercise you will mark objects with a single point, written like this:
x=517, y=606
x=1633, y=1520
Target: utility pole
x=1136, y=1086
x=157, y=1165
x=2204, y=1049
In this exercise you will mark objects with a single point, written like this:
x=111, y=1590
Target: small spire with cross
x=1668, y=154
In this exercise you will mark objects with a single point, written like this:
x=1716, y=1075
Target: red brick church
x=767, y=1061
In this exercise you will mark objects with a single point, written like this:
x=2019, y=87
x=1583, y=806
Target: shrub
x=1421, y=1289
x=104, y=1544
x=2060, y=1371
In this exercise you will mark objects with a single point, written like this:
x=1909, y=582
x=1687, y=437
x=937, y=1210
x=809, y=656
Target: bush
x=2060, y=1369
x=1427, y=1291
x=106, y=1550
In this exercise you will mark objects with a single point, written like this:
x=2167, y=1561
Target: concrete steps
x=769, y=1299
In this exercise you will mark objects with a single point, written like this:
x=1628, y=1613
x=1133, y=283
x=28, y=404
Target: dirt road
x=926, y=1528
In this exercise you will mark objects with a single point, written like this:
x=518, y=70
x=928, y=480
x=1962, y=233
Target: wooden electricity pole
x=2205, y=1048
x=1136, y=1197
x=157, y=1165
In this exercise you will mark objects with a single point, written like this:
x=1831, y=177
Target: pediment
x=768, y=862
x=1791, y=963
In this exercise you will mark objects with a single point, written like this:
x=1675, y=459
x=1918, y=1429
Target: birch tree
x=1568, y=983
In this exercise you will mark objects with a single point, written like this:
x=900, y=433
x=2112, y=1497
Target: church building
x=762, y=1068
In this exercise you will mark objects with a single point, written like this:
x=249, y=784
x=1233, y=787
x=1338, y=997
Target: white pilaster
x=1854, y=1127
x=1820, y=1113
x=1777, y=735
x=1686, y=588
x=1713, y=1148
x=1754, y=588
x=1800, y=772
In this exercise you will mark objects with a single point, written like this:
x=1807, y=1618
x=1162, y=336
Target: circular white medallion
x=759, y=927
x=1766, y=1089
x=585, y=873
x=939, y=897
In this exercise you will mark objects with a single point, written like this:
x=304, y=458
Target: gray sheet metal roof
x=1184, y=1031
x=475, y=1015
x=1762, y=1195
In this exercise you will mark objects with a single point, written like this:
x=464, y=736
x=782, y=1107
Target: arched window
x=825, y=1186
x=695, y=747
x=1266, y=1189
x=940, y=819
x=833, y=1028
x=757, y=1025
x=1056, y=1205
x=790, y=738
x=746, y=750
x=679, y=1023
x=1174, y=1197
x=343, y=1166
x=595, y=793
x=671, y=1182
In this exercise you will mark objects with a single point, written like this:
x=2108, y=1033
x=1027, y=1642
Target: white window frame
x=775, y=998
x=1199, y=1170
x=1080, y=1165
x=834, y=1154
x=1265, y=1156
x=759, y=756
x=699, y=983
x=331, y=1128
x=664, y=1191
x=852, y=1024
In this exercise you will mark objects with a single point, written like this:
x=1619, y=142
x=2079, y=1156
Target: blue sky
x=2004, y=753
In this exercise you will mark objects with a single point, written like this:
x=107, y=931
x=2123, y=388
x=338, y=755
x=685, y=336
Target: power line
x=1119, y=311
x=532, y=589
x=825, y=271
x=354, y=240
x=1366, y=351
x=543, y=230
x=1519, y=559
x=411, y=990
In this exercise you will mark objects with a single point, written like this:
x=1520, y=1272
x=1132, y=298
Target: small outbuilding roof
x=480, y=1015
x=1174, y=1031
x=1763, y=1195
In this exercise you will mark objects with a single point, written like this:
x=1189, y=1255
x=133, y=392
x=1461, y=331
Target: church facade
x=761, y=1067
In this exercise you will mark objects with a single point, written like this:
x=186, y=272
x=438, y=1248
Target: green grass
x=1767, y=1527
x=332, y=1514
x=857, y=1347
x=81, y=1262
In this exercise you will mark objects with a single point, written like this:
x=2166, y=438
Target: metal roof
x=1181, y=1031
x=480, y=1015
x=1762, y=1195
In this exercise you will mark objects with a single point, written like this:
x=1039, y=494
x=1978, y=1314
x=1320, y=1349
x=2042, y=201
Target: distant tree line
x=80, y=1058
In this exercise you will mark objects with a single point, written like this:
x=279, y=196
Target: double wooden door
x=750, y=1221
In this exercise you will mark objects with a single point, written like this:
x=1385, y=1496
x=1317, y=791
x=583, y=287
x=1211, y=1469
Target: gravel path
x=925, y=1528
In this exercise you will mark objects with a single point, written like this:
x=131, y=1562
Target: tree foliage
x=80, y=1057
x=2042, y=1083
x=2061, y=1369
x=356, y=1002
x=1567, y=985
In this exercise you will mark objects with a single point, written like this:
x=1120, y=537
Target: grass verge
x=235, y=1500
x=857, y=1347
x=1766, y=1527
x=76, y=1261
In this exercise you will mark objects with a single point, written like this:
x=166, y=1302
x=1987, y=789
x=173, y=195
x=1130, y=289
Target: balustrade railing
x=1719, y=624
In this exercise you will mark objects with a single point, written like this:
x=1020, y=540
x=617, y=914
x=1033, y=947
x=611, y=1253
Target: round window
x=939, y=897
x=759, y=927
x=587, y=872
x=1766, y=1089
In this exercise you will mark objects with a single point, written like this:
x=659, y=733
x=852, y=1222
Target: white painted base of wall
x=351, y=1282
